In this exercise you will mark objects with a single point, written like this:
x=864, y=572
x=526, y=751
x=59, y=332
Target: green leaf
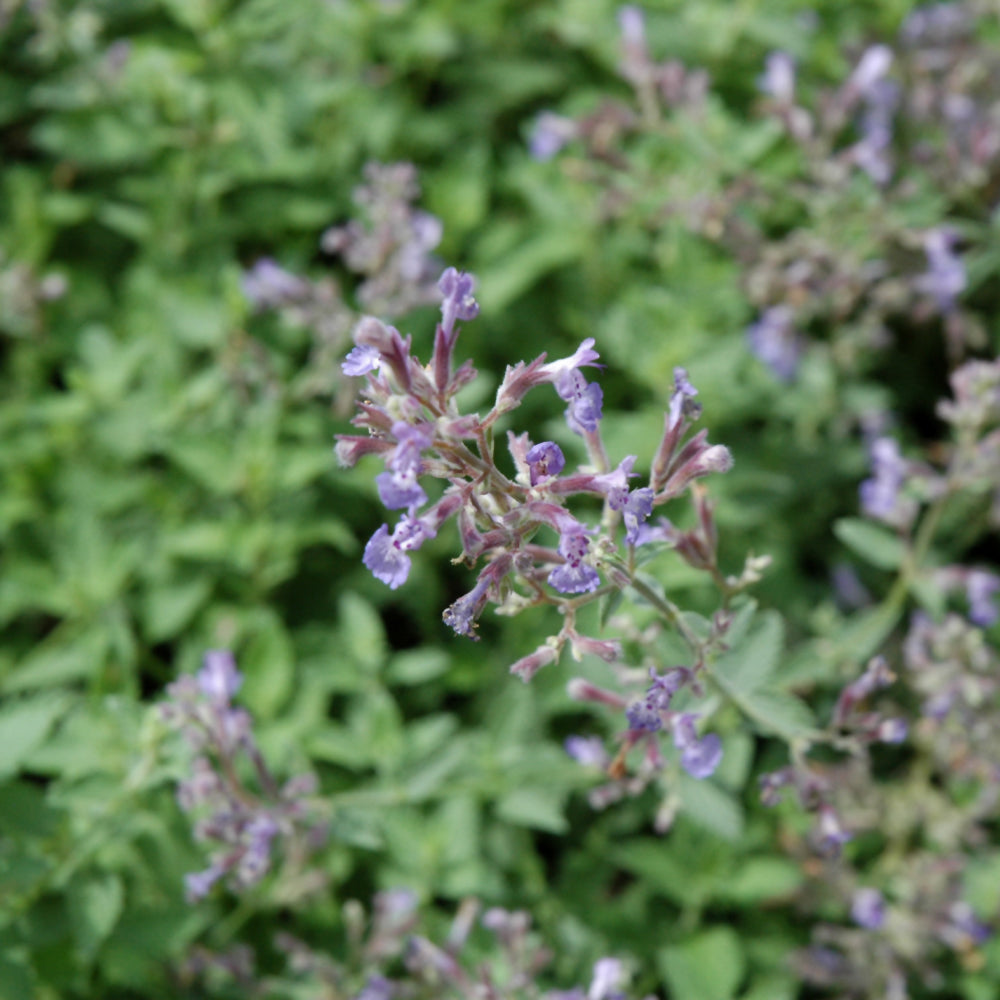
x=24, y=725
x=778, y=712
x=712, y=807
x=750, y=663
x=15, y=979
x=417, y=666
x=871, y=542
x=709, y=966
x=364, y=635
x=760, y=879
x=95, y=906
x=537, y=808
x=268, y=665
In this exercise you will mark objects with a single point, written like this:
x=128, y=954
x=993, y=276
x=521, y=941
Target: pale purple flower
x=398, y=486
x=868, y=909
x=880, y=494
x=361, y=360
x=550, y=133
x=377, y=988
x=585, y=401
x=399, y=489
x=774, y=341
x=945, y=278
x=637, y=507
x=699, y=757
x=457, y=287
x=832, y=834
x=544, y=460
x=574, y=576
x=386, y=560
x=218, y=678
x=872, y=67
x=607, y=977
x=584, y=355
x=587, y=750
x=197, y=885
x=981, y=588
x=778, y=79
x=682, y=399
x=267, y=285
x=647, y=713
x=892, y=730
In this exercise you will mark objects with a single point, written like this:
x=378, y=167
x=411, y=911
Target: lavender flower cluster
x=386, y=958
x=414, y=425
x=389, y=246
x=244, y=826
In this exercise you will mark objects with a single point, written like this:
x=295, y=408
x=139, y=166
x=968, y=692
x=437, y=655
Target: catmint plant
x=244, y=821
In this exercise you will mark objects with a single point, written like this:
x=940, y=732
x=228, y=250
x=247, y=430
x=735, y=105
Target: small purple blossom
x=550, y=133
x=585, y=401
x=457, y=287
x=608, y=973
x=647, y=713
x=682, y=400
x=399, y=489
x=267, y=285
x=981, y=588
x=636, y=509
x=774, y=341
x=218, y=678
x=778, y=79
x=868, y=909
x=587, y=750
x=386, y=560
x=880, y=494
x=361, y=360
x=584, y=355
x=544, y=460
x=699, y=757
x=945, y=278
x=574, y=576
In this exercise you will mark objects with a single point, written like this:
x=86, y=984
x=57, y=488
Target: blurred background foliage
x=168, y=487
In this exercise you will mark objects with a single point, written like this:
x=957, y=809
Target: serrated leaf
x=871, y=542
x=537, y=808
x=709, y=966
x=778, y=712
x=712, y=807
x=748, y=665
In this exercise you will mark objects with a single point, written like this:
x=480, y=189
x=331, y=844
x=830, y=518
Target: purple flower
x=945, y=277
x=267, y=285
x=385, y=559
x=880, y=494
x=701, y=757
x=458, y=304
x=462, y=615
x=980, y=588
x=197, y=885
x=218, y=678
x=682, y=399
x=585, y=401
x=832, y=834
x=550, y=133
x=774, y=341
x=872, y=67
x=361, y=360
x=377, y=988
x=399, y=489
x=584, y=355
x=587, y=750
x=778, y=80
x=868, y=909
x=636, y=509
x=544, y=460
x=398, y=486
x=647, y=714
x=607, y=976
x=574, y=576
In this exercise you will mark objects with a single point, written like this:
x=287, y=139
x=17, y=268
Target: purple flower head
x=981, y=588
x=574, y=576
x=587, y=750
x=892, y=730
x=632, y=24
x=682, y=399
x=638, y=507
x=644, y=716
x=585, y=400
x=197, y=885
x=964, y=928
x=377, y=988
x=872, y=67
x=774, y=341
x=457, y=287
x=608, y=973
x=267, y=285
x=868, y=909
x=701, y=757
x=584, y=355
x=647, y=713
x=880, y=494
x=614, y=484
x=550, y=133
x=386, y=560
x=832, y=835
x=361, y=360
x=218, y=678
x=462, y=615
x=945, y=278
x=778, y=80
x=544, y=460
x=399, y=489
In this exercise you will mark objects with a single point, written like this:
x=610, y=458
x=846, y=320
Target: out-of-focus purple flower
x=550, y=133
x=587, y=750
x=197, y=885
x=682, y=399
x=377, y=988
x=574, y=576
x=699, y=757
x=945, y=278
x=774, y=340
x=848, y=589
x=963, y=928
x=981, y=588
x=647, y=714
x=880, y=494
x=361, y=360
x=868, y=909
x=544, y=459
x=218, y=678
x=832, y=835
x=873, y=152
x=267, y=285
x=892, y=730
x=872, y=67
x=607, y=978
x=778, y=79
x=457, y=287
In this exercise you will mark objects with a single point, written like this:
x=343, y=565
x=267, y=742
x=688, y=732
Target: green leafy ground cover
x=168, y=483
